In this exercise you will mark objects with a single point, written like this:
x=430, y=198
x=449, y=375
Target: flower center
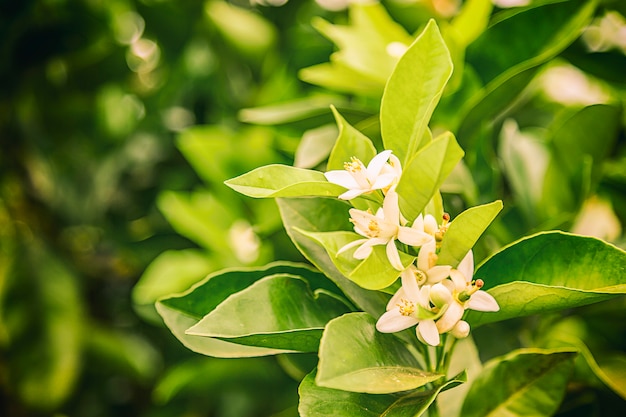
x=355, y=165
x=471, y=289
x=373, y=229
x=406, y=307
x=420, y=277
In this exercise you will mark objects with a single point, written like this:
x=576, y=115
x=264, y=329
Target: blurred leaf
x=283, y=181
x=316, y=401
x=45, y=328
x=535, y=384
x=362, y=63
x=550, y=271
x=355, y=357
x=350, y=143
x=291, y=111
x=323, y=215
x=180, y=312
x=426, y=172
x=465, y=230
x=278, y=311
x=412, y=93
x=224, y=149
x=506, y=58
x=315, y=146
x=171, y=272
x=201, y=217
x=471, y=21
x=247, y=31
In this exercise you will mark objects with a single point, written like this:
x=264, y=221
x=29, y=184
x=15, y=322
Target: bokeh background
x=119, y=122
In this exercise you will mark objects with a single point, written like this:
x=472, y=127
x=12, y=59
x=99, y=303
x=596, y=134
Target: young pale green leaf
x=464, y=232
x=338, y=76
x=535, y=384
x=471, y=21
x=279, y=311
x=283, y=181
x=315, y=146
x=180, y=312
x=373, y=273
x=350, y=143
x=413, y=91
x=355, y=357
x=550, y=271
x=316, y=401
x=324, y=215
x=425, y=173
x=291, y=111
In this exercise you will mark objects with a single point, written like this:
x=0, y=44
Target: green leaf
x=291, y=111
x=373, y=273
x=534, y=384
x=315, y=146
x=355, y=357
x=283, y=181
x=413, y=91
x=316, y=401
x=180, y=312
x=464, y=232
x=279, y=311
x=350, y=143
x=425, y=173
x=550, y=271
x=323, y=215
x=471, y=21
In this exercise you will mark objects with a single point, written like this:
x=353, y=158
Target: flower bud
x=460, y=330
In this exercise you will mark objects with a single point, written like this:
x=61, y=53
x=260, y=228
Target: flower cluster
x=432, y=297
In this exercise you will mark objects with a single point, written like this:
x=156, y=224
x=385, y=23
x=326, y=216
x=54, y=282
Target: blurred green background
x=109, y=198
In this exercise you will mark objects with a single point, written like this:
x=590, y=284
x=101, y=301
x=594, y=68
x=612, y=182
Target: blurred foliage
x=109, y=200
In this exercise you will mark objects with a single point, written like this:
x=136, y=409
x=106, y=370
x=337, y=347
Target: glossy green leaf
x=465, y=230
x=180, y=312
x=413, y=91
x=324, y=215
x=425, y=173
x=350, y=143
x=355, y=357
x=316, y=401
x=471, y=21
x=374, y=273
x=550, y=271
x=279, y=311
x=529, y=382
x=283, y=181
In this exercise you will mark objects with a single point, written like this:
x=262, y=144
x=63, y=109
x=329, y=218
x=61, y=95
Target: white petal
x=365, y=249
x=461, y=330
x=438, y=273
x=428, y=331
x=383, y=181
x=392, y=321
x=450, y=318
x=376, y=164
x=466, y=266
x=413, y=237
x=351, y=245
x=395, y=165
x=409, y=283
x=350, y=194
x=391, y=209
x=423, y=257
x=418, y=223
x=395, y=299
x=343, y=178
x=483, y=301
x=460, y=282
x=430, y=224
x=394, y=256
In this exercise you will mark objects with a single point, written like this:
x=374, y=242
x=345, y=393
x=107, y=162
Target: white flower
x=383, y=229
x=382, y=172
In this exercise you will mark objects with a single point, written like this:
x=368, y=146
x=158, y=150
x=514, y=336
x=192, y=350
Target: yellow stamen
x=406, y=307
x=353, y=166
